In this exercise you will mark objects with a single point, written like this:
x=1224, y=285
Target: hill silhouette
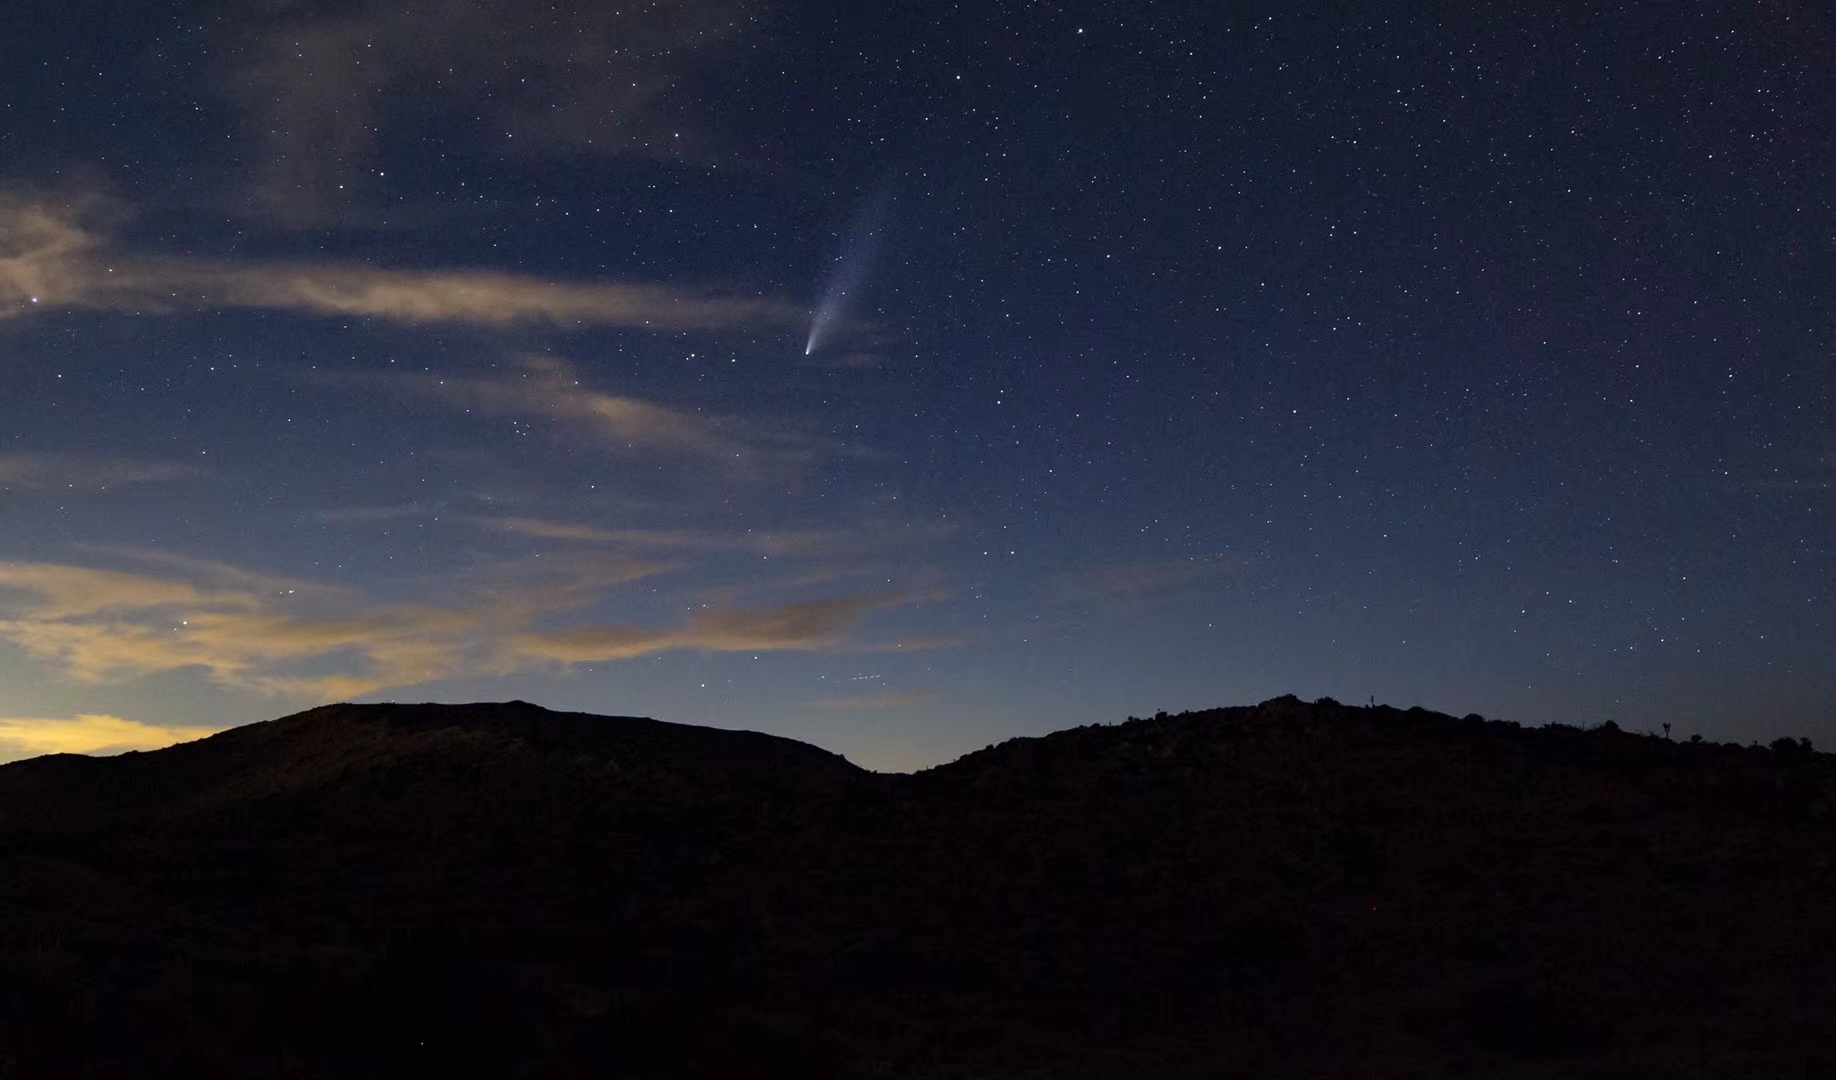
x=1283, y=890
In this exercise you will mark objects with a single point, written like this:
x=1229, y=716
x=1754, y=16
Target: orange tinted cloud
x=810, y=626
x=803, y=543
x=243, y=630
x=53, y=591
x=45, y=257
x=472, y=297
x=260, y=650
x=49, y=259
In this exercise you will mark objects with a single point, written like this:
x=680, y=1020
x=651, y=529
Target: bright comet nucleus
x=851, y=266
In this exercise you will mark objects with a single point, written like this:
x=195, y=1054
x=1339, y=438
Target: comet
x=848, y=275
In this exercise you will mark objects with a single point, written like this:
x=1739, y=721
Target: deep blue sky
x=1180, y=356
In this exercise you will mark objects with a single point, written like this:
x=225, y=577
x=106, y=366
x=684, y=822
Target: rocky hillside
x=1285, y=890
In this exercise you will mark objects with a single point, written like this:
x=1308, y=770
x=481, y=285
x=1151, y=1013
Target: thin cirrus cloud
x=911, y=645
x=78, y=472
x=282, y=637
x=549, y=389
x=583, y=80
x=879, y=551
x=86, y=733
x=243, y=630
x=573, y=532
x=811, y=626
x=1135, y=582
x=803, y=543
x=50, y=260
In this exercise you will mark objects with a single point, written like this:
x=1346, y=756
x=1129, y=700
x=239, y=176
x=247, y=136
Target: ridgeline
x=1283, y=890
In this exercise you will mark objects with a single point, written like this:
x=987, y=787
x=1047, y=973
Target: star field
x=1169, y=357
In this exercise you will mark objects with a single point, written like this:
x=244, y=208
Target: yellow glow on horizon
x=86, y=734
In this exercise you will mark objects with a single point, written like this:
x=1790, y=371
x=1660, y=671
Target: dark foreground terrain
x=1287, y=890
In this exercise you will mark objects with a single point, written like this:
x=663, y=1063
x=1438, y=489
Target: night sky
x=903, y=378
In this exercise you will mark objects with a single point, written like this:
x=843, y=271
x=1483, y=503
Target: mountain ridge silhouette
x=1287, y=889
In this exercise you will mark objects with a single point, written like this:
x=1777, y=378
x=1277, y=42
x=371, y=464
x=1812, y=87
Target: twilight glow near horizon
x=1164, y=357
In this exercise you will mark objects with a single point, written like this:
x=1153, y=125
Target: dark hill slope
x=1285, y=890
x=336, y=746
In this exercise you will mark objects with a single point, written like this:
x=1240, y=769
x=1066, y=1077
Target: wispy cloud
x=549, y=389
x=522, y=591
x=275, y=636
x=240, y=628
x=473, y=297
x=885, y=555
x=572, y=532
x=864, y=540
x=68, y=592
x=812, y=626
x=86, y=734
x=1146, y=580
x=584, y=79
x=51, y=260
x=910, y=645
x=45, y=256
x=77, y=472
